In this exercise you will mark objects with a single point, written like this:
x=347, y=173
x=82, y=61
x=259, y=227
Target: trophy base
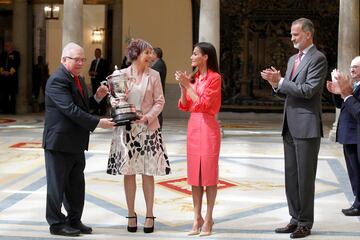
x=124, y=114
x=124, y=119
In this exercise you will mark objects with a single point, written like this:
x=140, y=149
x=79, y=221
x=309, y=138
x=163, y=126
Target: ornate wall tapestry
x=255, y=34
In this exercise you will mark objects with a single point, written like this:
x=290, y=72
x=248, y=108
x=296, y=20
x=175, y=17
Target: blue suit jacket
x=347, y=125
x=352, y=106
x=67, y=119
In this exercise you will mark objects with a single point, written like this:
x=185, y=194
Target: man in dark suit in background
x=68, y=124
x=302, y=125
x=9, y=78
x=160, y=66
x=98, y=72
x=348, y=132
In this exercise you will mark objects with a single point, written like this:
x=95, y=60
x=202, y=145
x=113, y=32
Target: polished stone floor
x=250, y=203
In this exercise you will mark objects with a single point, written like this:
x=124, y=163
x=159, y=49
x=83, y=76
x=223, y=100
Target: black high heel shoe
x=132, y=229
x=150, y=229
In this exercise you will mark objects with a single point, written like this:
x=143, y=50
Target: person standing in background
x=99, y=70
x=9, y=76
x=302, y=125
x=160, y=66
x=40, y=76
x=201, y=96
x=68, y=124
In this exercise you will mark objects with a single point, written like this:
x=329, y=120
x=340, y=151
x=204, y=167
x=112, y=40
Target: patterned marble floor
x=250, y=203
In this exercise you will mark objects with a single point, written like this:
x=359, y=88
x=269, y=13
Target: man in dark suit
x=9, y=68
x=98, y=72
x=66, y=136
x=160, y=66
x=302, y=127
x=348, y=131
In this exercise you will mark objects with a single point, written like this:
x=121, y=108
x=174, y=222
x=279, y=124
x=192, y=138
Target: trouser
x=65, y=185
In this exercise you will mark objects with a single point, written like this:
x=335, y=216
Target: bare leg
x=130, y=190
x=148, y=189
x=197, y=195
x=211, y=192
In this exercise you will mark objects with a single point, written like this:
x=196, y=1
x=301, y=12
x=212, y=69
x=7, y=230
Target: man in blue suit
x=302, y=125
x=68, y=124
x=348, y=132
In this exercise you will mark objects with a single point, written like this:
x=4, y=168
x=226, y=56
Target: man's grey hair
x=68, y=48
x=306, y=25
x=356, y=59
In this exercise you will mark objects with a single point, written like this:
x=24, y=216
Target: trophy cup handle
x=104, y=83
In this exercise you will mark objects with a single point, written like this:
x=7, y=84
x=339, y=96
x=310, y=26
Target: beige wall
x=93, y=17
x=163, y=23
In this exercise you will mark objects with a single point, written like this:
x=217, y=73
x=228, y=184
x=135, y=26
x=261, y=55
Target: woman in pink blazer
x=201, y=96
x=138, y=148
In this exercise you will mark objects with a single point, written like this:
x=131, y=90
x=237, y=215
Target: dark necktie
x=297, y=63
x=78, y=85
x=355, y=86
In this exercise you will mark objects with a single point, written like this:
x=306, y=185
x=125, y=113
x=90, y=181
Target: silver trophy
x=122, y=112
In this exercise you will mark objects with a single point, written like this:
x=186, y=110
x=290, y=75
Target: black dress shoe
x=65, y=231
x=82, y=227
x=150, y=229
x=133, y=228
x=287, y=229
x=301, y=232
x=353, y=211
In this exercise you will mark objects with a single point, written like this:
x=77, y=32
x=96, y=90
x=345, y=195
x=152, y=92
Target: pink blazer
x=153, y=97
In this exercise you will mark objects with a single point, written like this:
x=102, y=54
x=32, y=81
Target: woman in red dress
x=201, y=96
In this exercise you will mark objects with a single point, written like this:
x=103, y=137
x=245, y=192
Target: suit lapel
x=85, y=97
x=303, y=62
x=290, y=67
x=74, y=87
x=145, y=81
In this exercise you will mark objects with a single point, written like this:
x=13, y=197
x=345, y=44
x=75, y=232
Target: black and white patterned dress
x=137, y=150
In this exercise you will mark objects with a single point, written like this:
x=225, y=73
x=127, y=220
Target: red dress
x=203, y=133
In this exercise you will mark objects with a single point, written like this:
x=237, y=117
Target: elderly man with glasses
x=347, y=95
x=68, y=124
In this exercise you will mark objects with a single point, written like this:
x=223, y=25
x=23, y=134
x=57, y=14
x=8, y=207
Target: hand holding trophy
x=122, y=112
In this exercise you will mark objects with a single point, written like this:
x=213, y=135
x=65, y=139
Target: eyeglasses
x=77, y=60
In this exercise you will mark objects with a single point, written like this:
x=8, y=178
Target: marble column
x=117, y=40
x=39, y=32
x=73, y=22
x=209, y=28
x=348, y=42
x=20, y=39
x=209, y=24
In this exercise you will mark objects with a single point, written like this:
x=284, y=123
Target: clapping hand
x=345, y=84
x=333, y=85
x=183, y=79
x=272, y=75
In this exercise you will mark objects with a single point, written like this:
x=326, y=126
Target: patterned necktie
x=297, y=63
x=78, y=85
x=355, y=86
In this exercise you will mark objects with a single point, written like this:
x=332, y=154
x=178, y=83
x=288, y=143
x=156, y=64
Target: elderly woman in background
x=138, y=148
